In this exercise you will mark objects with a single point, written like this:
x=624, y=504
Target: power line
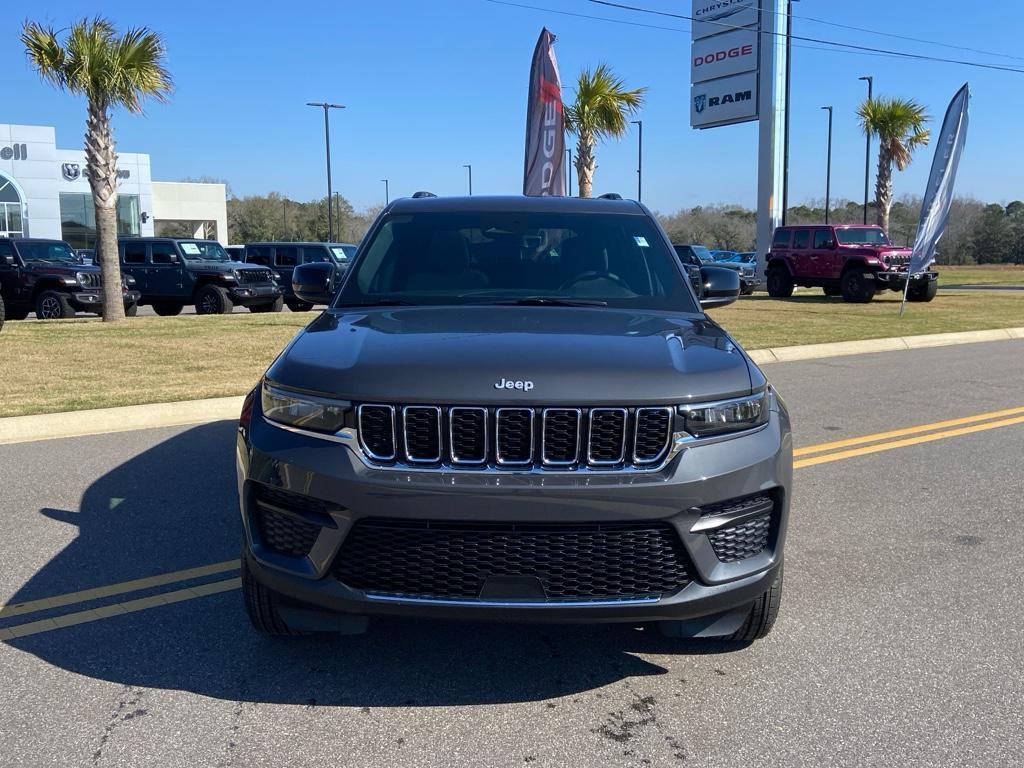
x=826, y=49
x=834, y=43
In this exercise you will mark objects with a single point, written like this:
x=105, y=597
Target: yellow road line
x=118, y=609
x=167, y=598
x=57, y=601
x=867, y=449
x=906, y=431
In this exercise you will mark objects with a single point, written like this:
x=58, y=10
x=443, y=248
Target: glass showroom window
x=78, y=218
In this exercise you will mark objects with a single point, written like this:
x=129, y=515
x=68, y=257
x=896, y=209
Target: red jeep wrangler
x=852, y=261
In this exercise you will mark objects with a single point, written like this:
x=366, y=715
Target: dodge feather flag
x=544, y=170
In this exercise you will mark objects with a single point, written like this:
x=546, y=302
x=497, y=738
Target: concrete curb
x=865, y=346
x=49, y=426
x=101, y=421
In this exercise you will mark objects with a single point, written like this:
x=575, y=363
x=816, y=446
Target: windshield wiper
x=550, y=301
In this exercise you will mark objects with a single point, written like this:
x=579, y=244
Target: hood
x=61, y=269
x=456, y=355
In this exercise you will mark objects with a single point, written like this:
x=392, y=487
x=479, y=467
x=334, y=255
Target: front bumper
x=702, y=474
x=895, y=280
x=87, y=301
x=258, y=293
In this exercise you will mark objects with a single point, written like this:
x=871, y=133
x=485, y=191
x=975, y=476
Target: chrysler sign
x=723, y=55
x=712, y=17
x=728, y=100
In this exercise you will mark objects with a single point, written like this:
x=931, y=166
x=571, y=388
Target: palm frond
x=603, y=104
x=44, y=52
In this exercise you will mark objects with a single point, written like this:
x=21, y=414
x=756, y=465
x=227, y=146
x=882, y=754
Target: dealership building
x=44, y=192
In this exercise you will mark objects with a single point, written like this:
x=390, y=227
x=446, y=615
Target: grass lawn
x=71, y=365
x=984, y=274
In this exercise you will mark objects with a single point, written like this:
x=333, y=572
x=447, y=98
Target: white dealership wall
x=30, y=159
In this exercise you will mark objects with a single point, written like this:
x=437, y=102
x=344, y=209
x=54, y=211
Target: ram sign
x=724, y=101
x=712, y=17
x=724, y=55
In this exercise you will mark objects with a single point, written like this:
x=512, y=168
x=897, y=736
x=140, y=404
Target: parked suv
x=700, y=256
x=514, y=408
x=849, y=261
x=46, y=277
x=174, y=272
x=285, y=256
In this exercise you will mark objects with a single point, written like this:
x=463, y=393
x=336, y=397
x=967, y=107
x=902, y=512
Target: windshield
x=702, y=253
x=343, y=253
x=204, y=250
x=862, y=236
x=49, y=252
x=518, y=257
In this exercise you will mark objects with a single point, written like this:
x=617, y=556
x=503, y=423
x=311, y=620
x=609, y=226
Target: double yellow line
x=810, y=456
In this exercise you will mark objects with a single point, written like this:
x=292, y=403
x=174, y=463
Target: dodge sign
x=728, y=100
x=724, y=55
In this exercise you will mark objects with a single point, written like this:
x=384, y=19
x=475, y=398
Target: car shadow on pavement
x=174, y=507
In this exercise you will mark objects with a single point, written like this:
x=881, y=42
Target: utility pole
x=470, y=169
x=639, y=160
x=785, y=130
x=828, y=165
x=568, y=153
x=867, y=152
x=327, y=138
x=387, y=193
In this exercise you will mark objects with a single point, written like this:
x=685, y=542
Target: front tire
x=763, y=612
x=131, y=310
x=213, y=300
x=299, y=306
x=167, y=308
x=53, y=305
x=779, y=283
x=858, y=285
x=923, y=290
x=261, y=605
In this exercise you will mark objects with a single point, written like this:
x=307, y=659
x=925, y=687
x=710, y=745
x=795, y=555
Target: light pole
x=867, y=152
x=387, y=194
x=785, y=122
x=639, y=159
x=568, y=153
x=327, y=137
x=828, y=165
x=470, y=169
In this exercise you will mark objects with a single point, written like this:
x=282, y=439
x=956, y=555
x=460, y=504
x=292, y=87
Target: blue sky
x=433, y=84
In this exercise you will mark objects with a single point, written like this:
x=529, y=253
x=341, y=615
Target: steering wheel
x=595, y=275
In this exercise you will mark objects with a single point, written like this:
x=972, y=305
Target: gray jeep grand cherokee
x=514, y=409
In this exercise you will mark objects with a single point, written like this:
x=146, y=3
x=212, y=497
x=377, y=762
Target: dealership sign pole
x=737, y=71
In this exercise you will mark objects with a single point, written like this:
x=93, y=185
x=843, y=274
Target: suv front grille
x=516, y=437
x=90, y=279
x=453, y=560
x=254, y=275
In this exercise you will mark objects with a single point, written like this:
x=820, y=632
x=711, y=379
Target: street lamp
x=867, y=151
x=639, y=159
x=387, y=194
x=568, y=170
x=785, y=122
x=327, y=137
x=828, y=165
x=470, y=169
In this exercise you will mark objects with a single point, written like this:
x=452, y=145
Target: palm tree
x=899, y=126
x=110, y=71
x=601, y=111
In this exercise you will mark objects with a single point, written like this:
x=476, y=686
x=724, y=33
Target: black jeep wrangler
x=47, y=277
x=174, y=272
x=284, y=257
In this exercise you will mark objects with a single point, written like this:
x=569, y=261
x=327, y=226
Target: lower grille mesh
x=453, y=560
x=741, y=541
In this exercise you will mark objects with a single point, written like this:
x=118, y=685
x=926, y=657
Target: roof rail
x=422, y=193
x=610, y=196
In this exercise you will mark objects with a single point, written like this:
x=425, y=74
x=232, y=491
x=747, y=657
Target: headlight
x=304, y=411
x=229, y=277
x=128, y=280
x=707, y=419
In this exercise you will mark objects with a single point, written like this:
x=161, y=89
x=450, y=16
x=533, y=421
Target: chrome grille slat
x=606, y=438
x=421, y=433
x=512, y=428
x=560, y=436
x=468, y=435
x=377, y=426
x=649, y=425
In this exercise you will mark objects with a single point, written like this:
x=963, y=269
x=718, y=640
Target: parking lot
x=899, y=642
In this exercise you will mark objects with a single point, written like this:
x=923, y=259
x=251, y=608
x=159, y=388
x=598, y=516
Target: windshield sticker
x=190, y=248
x=641, y=241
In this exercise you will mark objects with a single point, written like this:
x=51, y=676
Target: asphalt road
x=900, y=640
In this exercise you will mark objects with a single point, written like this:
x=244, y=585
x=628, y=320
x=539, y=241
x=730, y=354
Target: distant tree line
x=977, y=233
x=276, y=217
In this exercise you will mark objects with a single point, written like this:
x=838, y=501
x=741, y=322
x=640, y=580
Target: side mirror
x=173, y=258
x=831, y=245
x=9, y=261
x=719, y=286
x=314, y=283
